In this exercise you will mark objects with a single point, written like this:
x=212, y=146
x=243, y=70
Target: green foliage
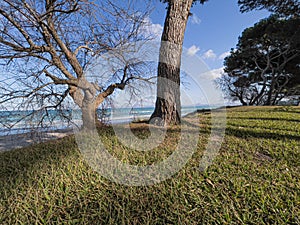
x=254, y=180
x=267, y=59
x=285, y=8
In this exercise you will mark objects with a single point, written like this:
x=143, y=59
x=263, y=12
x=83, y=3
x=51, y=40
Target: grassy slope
x=254, y=180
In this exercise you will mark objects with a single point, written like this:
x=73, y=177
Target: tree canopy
x=285, y=8
x=265, y=66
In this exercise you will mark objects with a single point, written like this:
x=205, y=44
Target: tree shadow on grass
x=265, y=118
x=18, y=161
x=50, y=182
x=264, y=127
x=62, y=190
x=240, y=133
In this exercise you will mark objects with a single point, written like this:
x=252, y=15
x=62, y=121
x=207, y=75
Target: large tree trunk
x=88, y=116
x=88, y=109
x=85, y=99
x=168, y=107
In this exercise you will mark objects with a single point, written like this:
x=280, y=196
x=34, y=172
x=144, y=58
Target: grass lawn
x=255, y=179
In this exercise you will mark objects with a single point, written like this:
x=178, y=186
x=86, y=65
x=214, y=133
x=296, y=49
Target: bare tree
x=46, y=47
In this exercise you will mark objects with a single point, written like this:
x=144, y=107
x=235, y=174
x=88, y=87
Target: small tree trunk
x=168, y=107
x=257, y=99
x=242, y=101
x=271, y=90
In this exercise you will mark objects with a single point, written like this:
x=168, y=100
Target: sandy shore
x=13, y=141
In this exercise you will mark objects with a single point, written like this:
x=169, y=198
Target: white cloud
x=212, y=74
x=195, y=19
x=193, y=50
x=151, y=29
x=209, y=54
x=224, y=55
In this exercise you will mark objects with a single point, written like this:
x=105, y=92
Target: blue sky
x=213, y=29
x=211, y=32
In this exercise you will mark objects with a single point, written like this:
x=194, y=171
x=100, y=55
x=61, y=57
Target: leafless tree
x=46, y=46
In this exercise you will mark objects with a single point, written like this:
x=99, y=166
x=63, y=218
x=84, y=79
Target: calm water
x=13, y=122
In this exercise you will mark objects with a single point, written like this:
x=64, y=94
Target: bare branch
x=56, y=80
x=82, y=47
x=49, y=45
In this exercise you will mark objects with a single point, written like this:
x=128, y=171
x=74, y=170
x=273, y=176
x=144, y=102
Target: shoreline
x=15, y=141
x=19, y=140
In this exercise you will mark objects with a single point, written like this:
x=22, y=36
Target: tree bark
x=85, y=99
x=257, y=99
x=243, y=102
x=88, y=116
x=168, y=106
x=270, y=91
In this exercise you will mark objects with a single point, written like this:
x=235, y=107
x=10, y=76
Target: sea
x=24, y=121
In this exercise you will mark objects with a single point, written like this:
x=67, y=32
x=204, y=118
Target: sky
x=213, y=29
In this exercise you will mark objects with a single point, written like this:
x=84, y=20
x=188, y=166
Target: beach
x=20, y=137
x=13, y=141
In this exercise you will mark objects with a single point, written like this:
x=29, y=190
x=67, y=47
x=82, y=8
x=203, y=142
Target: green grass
x=254, y=180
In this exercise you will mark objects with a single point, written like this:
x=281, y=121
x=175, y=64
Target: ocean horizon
x=24, y=121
